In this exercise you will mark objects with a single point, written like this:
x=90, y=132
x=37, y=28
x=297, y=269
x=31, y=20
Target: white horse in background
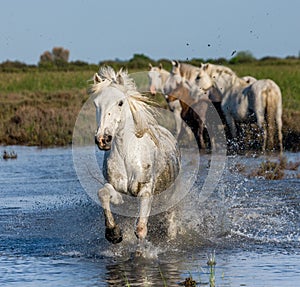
x=184, y=75
x=270, y=93
x=180, y=73
x=158, y=76
x=141, y=157
x=240, y=100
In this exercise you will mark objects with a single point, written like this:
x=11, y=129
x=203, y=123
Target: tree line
x=58, y=59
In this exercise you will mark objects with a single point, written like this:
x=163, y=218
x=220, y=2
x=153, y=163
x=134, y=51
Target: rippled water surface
x=52, y=233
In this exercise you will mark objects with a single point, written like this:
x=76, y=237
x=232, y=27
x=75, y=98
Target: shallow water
x=52, y=233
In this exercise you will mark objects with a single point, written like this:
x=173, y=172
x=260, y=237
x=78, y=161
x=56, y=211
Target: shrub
x=242, y=57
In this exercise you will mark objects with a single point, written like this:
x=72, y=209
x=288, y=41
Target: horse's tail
x=270, y=117
x=273, y=113
x=278, y=115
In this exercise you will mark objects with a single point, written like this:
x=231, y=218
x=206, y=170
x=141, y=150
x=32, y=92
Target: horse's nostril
x=108, y=139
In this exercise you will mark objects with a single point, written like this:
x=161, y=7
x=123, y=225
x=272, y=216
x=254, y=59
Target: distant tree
x=221, y=61
x=10, y=66
x=115, y=65
x=59, y=57
x=196, y=62
x=60, y=54
x=242, y=57
x=139, y=61
x=46, y=57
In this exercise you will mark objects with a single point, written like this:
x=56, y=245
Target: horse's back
x=268, y=91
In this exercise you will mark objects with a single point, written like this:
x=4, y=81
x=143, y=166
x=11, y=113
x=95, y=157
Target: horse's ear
x=205, y=66
x=119, y=77
x=97, y=79
x=150, y=66
x=175, y=63
x=160, y=66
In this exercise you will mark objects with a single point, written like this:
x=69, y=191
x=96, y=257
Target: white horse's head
x=155, y=79
x=204, y=80
x=111, y=91
x=118, y=102
x=172, y=83
x=220, y=77
x=173, y=80
x=109, y=109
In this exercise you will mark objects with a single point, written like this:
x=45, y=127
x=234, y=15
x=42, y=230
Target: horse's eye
x=120, y=103
x=198, y=78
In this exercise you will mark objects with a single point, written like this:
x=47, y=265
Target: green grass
x=39, y=107
x=43, y=81
x=286, y=76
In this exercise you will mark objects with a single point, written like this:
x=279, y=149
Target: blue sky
x=96, y=30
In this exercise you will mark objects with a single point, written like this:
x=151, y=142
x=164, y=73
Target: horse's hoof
x=141, y=232
x=113, y=235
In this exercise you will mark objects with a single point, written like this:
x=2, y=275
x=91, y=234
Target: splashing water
x=50, y=227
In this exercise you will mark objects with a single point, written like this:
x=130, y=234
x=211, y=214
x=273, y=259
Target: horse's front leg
x=106, y=195
x=144, y=212
x=177, y=116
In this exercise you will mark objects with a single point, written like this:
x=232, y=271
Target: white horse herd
x=242, y=100
x=141, y=158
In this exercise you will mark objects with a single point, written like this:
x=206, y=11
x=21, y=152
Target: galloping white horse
x=241, y=100
x=141, y=157
x=157, y=79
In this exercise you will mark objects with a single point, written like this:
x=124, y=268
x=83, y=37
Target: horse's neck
x=124, y=132
x=127, y=133
x=227, y=84
x=215, y=95
x=164, y=76
x=189, y=72
x=186, y=95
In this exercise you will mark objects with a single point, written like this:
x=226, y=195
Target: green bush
x=242, y=57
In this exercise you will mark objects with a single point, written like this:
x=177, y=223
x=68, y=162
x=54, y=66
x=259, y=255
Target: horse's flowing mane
x=141, y=107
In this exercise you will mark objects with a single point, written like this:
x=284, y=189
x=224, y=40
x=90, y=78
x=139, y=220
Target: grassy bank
x=39, y=107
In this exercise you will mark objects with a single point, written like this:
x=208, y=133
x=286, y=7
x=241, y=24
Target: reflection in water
x=52, y=233
x=141, y=272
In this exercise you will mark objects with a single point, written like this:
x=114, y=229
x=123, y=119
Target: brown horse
x=195, y=108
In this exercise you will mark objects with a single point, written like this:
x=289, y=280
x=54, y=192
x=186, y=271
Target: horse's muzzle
x=152, y=90
x=103, y=142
